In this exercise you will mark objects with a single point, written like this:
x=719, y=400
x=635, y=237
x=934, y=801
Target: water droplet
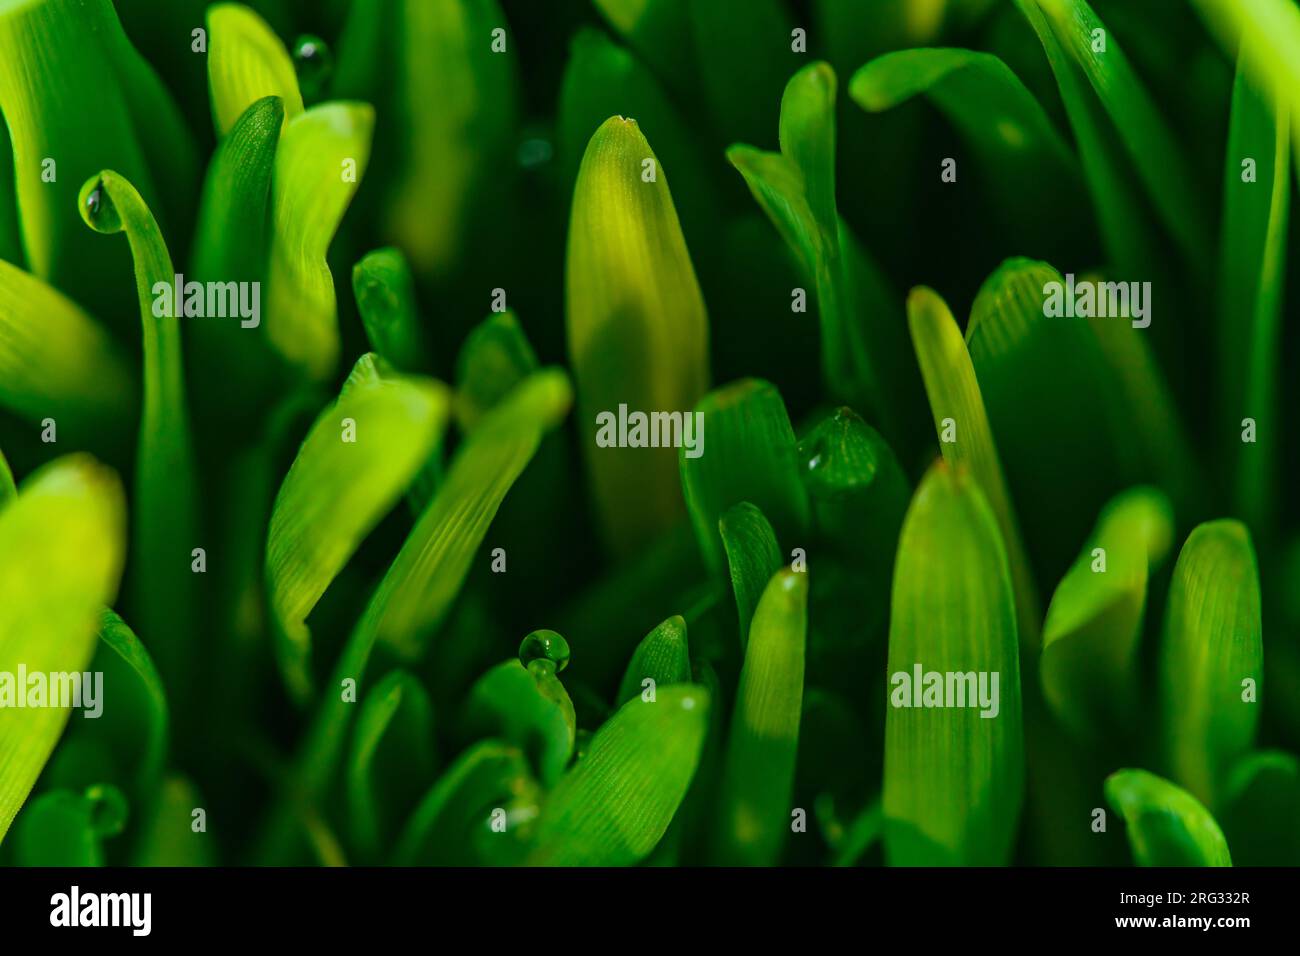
x=314, y=62
x=95, y=201
x=108, y=809
x=544, y=645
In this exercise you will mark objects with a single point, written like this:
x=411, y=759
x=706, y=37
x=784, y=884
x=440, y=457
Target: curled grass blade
x=165, y=531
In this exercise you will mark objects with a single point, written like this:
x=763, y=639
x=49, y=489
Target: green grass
x=364, y=579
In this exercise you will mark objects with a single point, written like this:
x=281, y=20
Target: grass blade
x=743, y=62
x=1090, y=665
x=613, y=807
x=603, y=79
x=236, y=202
x=57, y=362
x=140, y=719
x=796, y=189
x=60, y=828
x=423, y=580
x=857, y=490
x=246, y=62
x=425, y=577
x=456, y=157
x=954, y=774
x=8, y=491
x=751, y=456
x=1252, y=277
x=1271, y=29
x=11, y=245
x=103, y=106
x=1259, y=818
x=385, y=294
x=322, y=156
x=1211, y=662
x=1027, y=164
x=165, y=517
x=655, y=29
x=636, y=325
x=1130, y=240
x=1166, y=825
x=63, y=544
x=392, y=757
x=452, y=824
x=965, y=437
x=1148, y=142
x=360, y=455
x=527, y=707
x=663, y=656
x=753, y=556
x=169, y=839
x=758, y=779
x=1055, y=385
x=494, y=359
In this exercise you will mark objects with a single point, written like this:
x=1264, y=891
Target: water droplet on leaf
x=544, y=645
x=108, y=810
x=314, y=62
